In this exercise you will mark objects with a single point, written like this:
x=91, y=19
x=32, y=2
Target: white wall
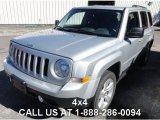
x=35, y=11
x=47, y=11
x=154, y=7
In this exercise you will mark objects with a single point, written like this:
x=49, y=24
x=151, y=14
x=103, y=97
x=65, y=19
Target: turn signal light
x=85, y=79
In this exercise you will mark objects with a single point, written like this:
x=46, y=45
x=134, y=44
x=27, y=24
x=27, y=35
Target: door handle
x=140, y=40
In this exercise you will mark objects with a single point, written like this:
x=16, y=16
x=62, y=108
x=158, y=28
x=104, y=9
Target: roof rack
x=138, y=6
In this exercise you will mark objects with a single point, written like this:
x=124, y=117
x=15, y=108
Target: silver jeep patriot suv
x=83, y=57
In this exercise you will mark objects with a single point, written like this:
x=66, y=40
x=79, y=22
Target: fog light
x=40, y=98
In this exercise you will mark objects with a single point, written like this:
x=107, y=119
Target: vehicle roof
x=111, y=7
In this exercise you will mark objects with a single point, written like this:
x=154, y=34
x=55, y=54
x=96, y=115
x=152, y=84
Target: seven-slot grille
x=29, y=63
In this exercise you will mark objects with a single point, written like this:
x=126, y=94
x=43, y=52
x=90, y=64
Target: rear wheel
x=105, y=91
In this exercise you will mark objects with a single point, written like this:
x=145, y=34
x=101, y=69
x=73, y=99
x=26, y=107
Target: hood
x=68, y=44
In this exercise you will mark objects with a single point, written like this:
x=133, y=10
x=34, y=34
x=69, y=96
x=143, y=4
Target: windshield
x=94, y=22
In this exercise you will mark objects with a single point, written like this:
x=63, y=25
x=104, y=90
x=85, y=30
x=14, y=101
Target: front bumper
x=61, y=95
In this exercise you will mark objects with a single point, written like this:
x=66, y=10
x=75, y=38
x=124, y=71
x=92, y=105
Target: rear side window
x=144, y=19
x=133, y=20
x=150, y=18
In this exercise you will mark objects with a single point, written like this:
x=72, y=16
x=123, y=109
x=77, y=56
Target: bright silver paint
x=87, y=55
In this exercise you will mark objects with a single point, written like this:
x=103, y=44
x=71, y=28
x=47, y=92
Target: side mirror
x=56, y=22
x=135, y=32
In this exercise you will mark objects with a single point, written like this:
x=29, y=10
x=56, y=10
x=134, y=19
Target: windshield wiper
x=66, y=29
x=86, y=32
x=91, y=33
x=60, y=28
x=79, y=31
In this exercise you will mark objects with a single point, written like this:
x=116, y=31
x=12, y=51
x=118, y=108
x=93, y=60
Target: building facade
x=47, y=11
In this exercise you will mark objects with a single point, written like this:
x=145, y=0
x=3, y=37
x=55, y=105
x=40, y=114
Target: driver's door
x=132, y=46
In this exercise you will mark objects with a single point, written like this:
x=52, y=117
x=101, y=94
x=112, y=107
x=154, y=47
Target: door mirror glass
x=56, y=22
x=135, y=32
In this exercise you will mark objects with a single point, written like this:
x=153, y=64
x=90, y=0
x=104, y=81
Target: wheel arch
x=150, y=43
x=111, y=63
x=115, y=68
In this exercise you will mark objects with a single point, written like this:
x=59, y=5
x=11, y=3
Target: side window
x=75, y=19
x=133, y=20
x=150, y=18
x=144, y=19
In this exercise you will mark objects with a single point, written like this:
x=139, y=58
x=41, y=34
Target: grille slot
x=45, y=72
x=17, y=56
x=26, y=61
x=14, y=52
x=21, y=59
x=38, y=65
x=30, y=64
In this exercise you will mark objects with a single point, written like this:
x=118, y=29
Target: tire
x=103, y=97
x=145, y=56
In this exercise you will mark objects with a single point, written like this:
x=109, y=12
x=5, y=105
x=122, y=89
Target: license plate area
x=19, y=84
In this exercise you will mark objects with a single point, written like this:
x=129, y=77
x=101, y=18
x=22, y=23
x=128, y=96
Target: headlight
x=62, y=68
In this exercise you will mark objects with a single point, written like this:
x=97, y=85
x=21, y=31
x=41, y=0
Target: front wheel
x=105, y=91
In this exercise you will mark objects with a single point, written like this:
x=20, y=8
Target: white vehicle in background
x=156, y=20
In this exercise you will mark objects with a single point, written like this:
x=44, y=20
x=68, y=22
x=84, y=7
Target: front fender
x=100, y=67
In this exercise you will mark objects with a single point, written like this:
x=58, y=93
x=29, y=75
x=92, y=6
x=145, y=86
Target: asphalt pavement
x=140, y=89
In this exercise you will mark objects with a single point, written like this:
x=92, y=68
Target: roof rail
x=138, y=6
